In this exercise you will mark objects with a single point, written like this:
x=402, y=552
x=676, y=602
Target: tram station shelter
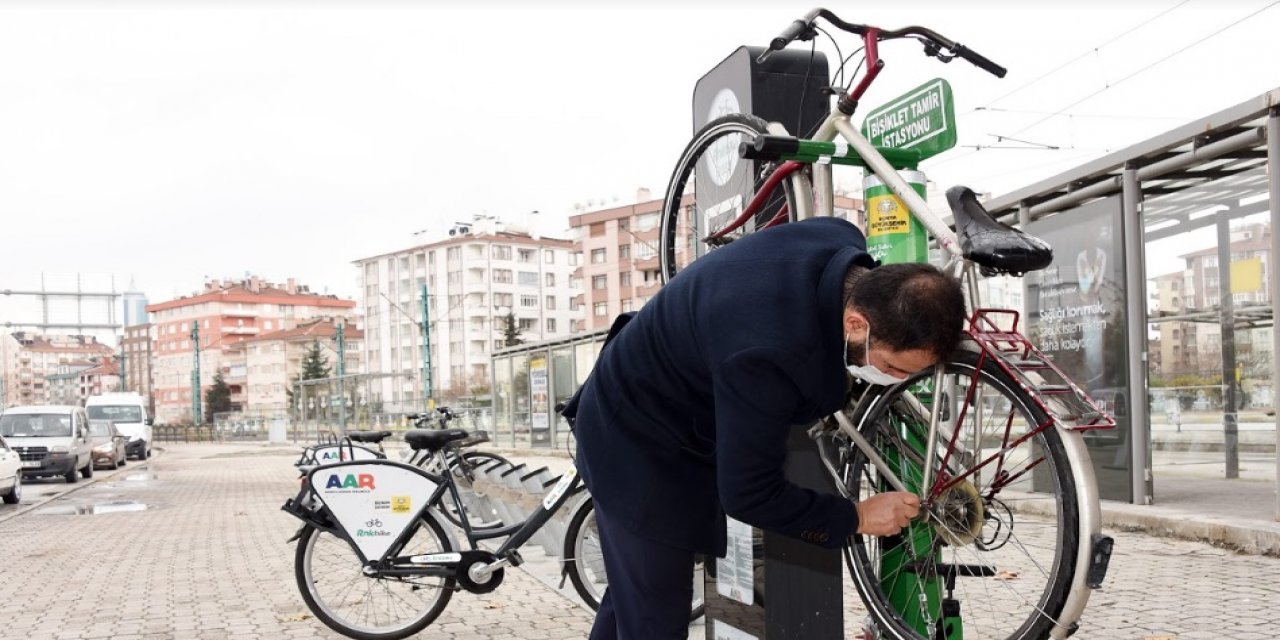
x=1208, y=194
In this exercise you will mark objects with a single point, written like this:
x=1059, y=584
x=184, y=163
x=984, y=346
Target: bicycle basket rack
x=1061, y=399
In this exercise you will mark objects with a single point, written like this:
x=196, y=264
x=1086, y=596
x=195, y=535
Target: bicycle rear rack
x=1052, y=390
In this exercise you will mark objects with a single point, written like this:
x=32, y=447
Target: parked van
x=52, y=440
x=129, y=412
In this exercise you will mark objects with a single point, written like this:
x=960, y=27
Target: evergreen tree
x=217, y=399
x=315, y=365
x=511, y=332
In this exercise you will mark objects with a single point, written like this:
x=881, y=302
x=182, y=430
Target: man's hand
x=887, y=513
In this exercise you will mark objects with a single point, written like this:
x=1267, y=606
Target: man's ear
x=855, y=324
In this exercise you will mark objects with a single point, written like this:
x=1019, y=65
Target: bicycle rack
x=533, y=486
x=1055, y=393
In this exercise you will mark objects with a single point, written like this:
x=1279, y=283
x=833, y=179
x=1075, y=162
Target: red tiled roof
x=314, y=329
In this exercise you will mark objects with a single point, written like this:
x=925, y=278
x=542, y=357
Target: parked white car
x=53, y=440
x=10, y=474
x=129, y=412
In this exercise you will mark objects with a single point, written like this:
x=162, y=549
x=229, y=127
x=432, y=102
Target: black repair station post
x=771, y=586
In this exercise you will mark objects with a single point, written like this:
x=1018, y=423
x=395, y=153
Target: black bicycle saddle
x=994, y=246
x=432, y=439
x=368, y=436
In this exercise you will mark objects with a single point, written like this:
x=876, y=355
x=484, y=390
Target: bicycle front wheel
x=725, y=184
x=995, y=555
x=365, y=607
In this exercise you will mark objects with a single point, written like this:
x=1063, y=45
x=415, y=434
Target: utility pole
x=195, y=372
x=426, y=352
x=342, y=370
x=124, y=366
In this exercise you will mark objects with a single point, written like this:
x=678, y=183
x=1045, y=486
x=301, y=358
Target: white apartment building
x=482, y=272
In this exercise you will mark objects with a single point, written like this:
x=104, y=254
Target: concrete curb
x=1245, y=536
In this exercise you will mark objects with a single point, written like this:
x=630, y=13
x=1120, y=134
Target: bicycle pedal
x=516, y=558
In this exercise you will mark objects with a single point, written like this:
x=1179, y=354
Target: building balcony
x=644, y=264
x=240, y=331
x=648, y=289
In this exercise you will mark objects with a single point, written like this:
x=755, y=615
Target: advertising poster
x=540, y=407
x=1076, y=315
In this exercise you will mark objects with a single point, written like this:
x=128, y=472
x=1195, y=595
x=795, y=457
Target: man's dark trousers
x=650, y=590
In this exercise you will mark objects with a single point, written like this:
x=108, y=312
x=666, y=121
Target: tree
x=217, y=399
x=511, y=332
x=315, y=366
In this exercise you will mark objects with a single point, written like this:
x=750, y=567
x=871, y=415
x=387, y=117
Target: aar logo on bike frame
x=350, y=481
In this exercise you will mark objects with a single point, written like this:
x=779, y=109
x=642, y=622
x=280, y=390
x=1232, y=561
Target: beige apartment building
x=262, y=368
x=135, y=352
x=619, y=269
x=484, y=272
x=225, y=312
x=27, y=359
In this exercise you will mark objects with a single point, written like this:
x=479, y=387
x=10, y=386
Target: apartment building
x=223, y=313
x=261, y=368
x=619, y=249
x=1189, y=347
x=484, y=272
x=135, y=354
x=27, y=359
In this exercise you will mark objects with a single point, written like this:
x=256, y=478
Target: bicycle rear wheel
x=997, y=552
x=584, y=561
x=339, y=593
x=711, y=163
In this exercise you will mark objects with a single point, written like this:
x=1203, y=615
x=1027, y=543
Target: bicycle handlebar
x=804, y=30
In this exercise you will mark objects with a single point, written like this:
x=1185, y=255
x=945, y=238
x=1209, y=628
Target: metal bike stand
x=784, y=588
x=800, y=582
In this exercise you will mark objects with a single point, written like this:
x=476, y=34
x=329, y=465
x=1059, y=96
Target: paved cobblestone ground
x=207, y=559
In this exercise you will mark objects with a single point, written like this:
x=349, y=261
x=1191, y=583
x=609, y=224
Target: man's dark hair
x=909, y=306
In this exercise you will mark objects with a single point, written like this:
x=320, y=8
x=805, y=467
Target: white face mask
x=869, y=372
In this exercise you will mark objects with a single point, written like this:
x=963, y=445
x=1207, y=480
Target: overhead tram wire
x=1146, y=68
x=1091, y=51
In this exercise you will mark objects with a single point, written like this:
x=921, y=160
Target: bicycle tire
x=577, y=563
x=864, y=555
x=715, y=147
x=325, y=611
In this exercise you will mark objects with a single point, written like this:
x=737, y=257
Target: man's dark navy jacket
x=686, y=414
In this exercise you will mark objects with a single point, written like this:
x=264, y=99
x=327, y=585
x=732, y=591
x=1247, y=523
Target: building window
x=601, y=309
x=502, y=299
x=624, y=279
x=502, y=276
x=528, y=278
x=453, y=253
x=551, y=303
x=575, y=258
x=455, y=277
x=526, y=255
x=573, y=304
x=646, y=221
x=598, y=256
x=528, y=324
x=624, y=224
x=499, y=252
x=499, y=344
x=551, y=325
x=548, y=256
x=645, y=250
x=528, y=301
x=626, y=305
x=551, y=280
x=624, y=251
x=599, y=282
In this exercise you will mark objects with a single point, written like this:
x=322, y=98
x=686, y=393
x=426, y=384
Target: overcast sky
x=167, y=142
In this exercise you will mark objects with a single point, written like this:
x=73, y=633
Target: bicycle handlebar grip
x=980, y=61
x=796, y=29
